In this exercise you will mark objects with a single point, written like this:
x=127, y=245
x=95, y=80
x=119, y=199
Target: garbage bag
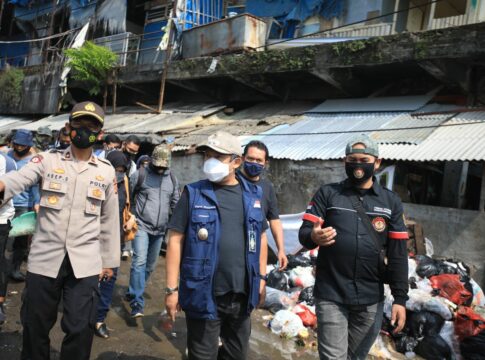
x=478, y=296
x=448, y=334
x=286, y=324
x=433, y=348
x=417, y=298
x=427, y=267
x=424, y=323
x=468, y=323
x=278, y=280
x=306, y=314
x=277, y=300
x=439, y=306
x=298, y=260
x=306, y=295
x=302, y=277
x=412, y=265
x=473, y=347
x=23, y=225
x=450, y=287
x=405, y=344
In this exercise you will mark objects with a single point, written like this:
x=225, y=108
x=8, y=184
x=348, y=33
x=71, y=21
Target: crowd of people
x=215, y=235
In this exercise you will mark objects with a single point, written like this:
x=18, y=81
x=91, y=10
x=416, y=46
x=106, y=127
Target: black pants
x=39, y=314
x=20, y=244
x=233, y=327
x=4, y=268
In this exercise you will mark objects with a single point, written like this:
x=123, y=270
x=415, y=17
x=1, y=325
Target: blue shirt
x=30, y=196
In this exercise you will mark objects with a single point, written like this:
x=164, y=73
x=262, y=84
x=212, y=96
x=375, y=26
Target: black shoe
x=17, y=276
x=128, y=297
x=101, y=330
x=3, y=316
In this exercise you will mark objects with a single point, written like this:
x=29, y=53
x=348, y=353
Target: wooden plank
x=419, y=240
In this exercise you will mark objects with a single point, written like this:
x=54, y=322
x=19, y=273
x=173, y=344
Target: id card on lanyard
x=252, y=240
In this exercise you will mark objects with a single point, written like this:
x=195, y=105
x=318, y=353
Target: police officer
x=352, y=222
x=218, y=247
x=76, y=242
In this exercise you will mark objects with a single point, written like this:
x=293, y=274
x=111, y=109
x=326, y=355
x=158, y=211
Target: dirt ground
x=142, y=338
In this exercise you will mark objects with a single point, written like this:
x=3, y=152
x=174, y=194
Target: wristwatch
x=170, y=291
x=264, y=277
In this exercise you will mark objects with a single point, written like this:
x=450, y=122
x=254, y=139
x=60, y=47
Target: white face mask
x=215, y=170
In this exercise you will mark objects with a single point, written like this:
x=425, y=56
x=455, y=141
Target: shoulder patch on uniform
x=103, y=161
x=37, y=159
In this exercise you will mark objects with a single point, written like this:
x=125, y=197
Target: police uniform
x=77, y=235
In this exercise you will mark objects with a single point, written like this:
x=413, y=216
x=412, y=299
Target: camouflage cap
x=371, y=146
x=44, y=130
x=89, y=109
x=161, y=156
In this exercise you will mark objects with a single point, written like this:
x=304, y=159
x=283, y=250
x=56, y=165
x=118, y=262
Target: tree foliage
x=92, y=64
x=11, y=87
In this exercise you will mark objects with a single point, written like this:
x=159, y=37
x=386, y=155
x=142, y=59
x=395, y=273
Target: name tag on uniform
x=54, y=186
x=252, y=241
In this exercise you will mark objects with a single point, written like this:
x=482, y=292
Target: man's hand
x=36, y=208
x=172, y=304
x=283, y=260
x=398, y=317
x=262, y=293
x=106, y=273
x=323, y=237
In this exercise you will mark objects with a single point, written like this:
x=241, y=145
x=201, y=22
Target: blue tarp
x=292, y=12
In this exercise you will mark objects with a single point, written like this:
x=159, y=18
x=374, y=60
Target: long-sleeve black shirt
x=347, y=271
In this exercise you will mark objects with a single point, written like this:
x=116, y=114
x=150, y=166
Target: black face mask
x=158, y=170
x=130, y=156
x=83, y=138
x=22, y=152
x=359, y=173
x=63, y=145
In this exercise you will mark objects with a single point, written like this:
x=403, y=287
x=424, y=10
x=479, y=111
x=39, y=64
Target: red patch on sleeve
x=36, y=159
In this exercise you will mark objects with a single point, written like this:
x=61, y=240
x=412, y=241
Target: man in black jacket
x=349, y=285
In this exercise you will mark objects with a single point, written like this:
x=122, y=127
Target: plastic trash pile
x=289, y=296
x=445, y=310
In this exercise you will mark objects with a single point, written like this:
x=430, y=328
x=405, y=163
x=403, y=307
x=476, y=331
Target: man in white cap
x=217, y=247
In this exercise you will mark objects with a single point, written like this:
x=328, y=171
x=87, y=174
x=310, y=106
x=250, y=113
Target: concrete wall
x=455, y=233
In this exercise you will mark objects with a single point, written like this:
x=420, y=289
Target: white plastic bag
x=275, y=298
x=412, y=265
x=286, y=324
x=448, y=334
x=302, y=277
x=439, y=306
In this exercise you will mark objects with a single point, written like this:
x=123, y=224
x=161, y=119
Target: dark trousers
x=105, y=296
x=39, y=313
x=233, y=327
x=4, y=268
x=20, y=244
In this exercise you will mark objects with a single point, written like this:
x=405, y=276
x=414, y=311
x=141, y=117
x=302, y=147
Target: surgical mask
x=120, y=176
x=22, y=152
x=359, y=173
x=215, y=170
x=82, y=137
x=253, y=169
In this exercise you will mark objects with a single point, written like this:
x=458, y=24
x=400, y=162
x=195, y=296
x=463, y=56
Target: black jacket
x=347, y=271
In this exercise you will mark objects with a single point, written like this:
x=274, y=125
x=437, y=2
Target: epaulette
x=104, y=160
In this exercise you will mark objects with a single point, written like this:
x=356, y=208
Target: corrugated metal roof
x=420, y=127
x=332, y=132
x=8, y=123
x=461, y=138
x=138, y=123
x=375, y=104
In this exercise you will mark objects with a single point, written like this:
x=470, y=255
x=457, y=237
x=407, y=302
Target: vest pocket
x=203, y=223
x=195, y=292
x=53, y=194
x=255, y=283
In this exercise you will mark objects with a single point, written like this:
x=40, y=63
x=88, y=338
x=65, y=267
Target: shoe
x=136, y=311
x=125, y=255
x=3, y=316
x=101, y=330
x=17, y=276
